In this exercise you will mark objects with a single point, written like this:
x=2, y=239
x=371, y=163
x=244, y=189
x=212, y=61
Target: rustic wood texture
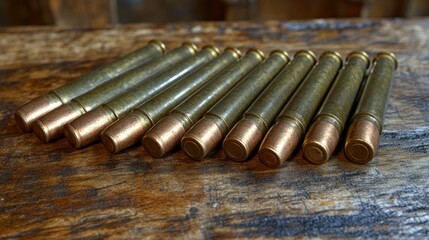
x=53, y=190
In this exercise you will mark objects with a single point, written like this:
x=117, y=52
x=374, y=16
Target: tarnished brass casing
x=50, y=126
x=26, y=115
x=249, y=131
x=120, y=136
x=284, y=136
x=363, y=135
x=323, y=136
x=87, y=128
x=207, y=133
x=166, y=134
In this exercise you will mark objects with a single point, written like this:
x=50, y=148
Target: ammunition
x=323, y=136
x=26, y=115
x=166, y=134
x=50, y=126
x=366, y=125
x=130, y=129
x=284, y=136
x=87, y=128
x=248, y=132
x=206, y=134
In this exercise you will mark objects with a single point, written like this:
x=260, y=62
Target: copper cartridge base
x=279, y=144
x=201, y=139
x=87, y=128
x=163, y=137
x=320, y=142
x=51, y=126
x=26, y=115
x=124, y=133
x=241, y=140
x=362, y=141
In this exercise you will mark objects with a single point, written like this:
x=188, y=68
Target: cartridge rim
x=212, y=47
x=235, y=50
x=193, y=147
x=282, y=53
x=315, y=152
x=333, y=53
x=389, y=55
x=307, y=53
x=159, y=43
x=192, y=46
x=258, y=52
x=361, y=54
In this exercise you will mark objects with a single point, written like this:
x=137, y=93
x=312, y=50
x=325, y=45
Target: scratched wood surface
x=53, y=190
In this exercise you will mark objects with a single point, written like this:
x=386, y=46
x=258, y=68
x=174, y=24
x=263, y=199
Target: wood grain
x=53, y=190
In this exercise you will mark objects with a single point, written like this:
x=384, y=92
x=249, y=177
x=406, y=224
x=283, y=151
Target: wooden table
x=53, y=190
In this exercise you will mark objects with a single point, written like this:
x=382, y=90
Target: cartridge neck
x=184, y=119
x=221, y=123
x=259, y=122
x=295, y=123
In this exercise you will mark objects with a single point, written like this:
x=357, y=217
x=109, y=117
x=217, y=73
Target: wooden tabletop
x=53, y=190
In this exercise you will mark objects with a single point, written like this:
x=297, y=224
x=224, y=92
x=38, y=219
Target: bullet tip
x=320, y=142
x=87, y=128
x=278, y=145
x=30, y=112
x=41, y=131
x=51, y=126
x=362, y=142
x=241, y=140
x=201, y=139
x=125, y=132
x=163, y=137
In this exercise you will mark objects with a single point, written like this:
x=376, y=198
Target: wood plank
x=55, y=191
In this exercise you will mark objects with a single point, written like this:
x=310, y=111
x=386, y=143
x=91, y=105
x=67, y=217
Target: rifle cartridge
x=284, y=136
x=131, y=128
x=27, y=114
x=323, y=136
x=166, y=134
x=50, y=126
x=208, y=132
x=249, y=131
x=363, y=135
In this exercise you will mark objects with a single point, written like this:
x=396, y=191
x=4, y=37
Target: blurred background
x=93, y=13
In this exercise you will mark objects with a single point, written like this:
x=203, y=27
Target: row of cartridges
x=200, y=98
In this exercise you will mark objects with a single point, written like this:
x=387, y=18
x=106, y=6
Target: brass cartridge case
x=120, y=136
x=87, y=128
x=249, y=131
x=284, y=136
x=50, y=126
x=366, y=125
x=26, y=115
x=207, y=133
x=166, y=134
x=323, y=136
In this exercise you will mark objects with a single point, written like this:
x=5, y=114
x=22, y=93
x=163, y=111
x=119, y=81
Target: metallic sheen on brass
x=323, y=136
x=50, y=126
x=166, y=134
x=249, y=131
x=363, y=135
x=119, y=136
x=87, y=128
x=26, y=115
x=284, y=136
x=207, y=133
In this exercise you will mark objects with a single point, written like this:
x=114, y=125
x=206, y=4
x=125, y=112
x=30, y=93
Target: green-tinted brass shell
x=373, y=102
x=126, y=82
x=159, y=106
x=195, y=106
x=339, y=101
x=154, y=49
x=269, y=103
x=306, y=100
x=228, y=110
x=143, y=92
